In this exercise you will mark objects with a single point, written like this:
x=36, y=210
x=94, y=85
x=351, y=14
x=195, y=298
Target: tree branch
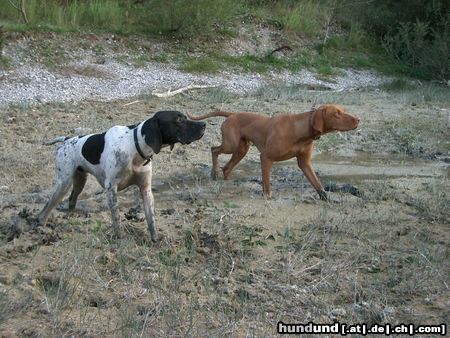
x=180, y=90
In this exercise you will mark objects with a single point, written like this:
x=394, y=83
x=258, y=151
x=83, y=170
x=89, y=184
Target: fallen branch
x=279, y=49
x=178, y=91
x=130, y=103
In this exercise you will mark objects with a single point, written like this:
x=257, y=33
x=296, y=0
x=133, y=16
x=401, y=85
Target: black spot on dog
x=151, y=134
x=93, y=148
x=132, y=126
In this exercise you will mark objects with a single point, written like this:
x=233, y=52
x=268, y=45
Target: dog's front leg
x=112, y=202
x=266, y=166
x=147, y=198
x=306, y=166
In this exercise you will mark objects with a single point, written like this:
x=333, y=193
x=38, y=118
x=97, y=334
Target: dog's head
x=166, y=128
x=330, y=117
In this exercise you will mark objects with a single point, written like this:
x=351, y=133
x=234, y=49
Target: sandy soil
x=230, y=262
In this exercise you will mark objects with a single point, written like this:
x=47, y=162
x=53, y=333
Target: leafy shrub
x=415, y=32
x=304, y=17
x=186, y=18
x=424, y=49
x=70, y=14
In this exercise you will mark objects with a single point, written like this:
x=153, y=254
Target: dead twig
x=433, y=268
x=180, y=90
x=279, y=49
x=130, y=103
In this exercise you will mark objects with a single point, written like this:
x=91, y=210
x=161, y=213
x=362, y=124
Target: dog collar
x=138, y=148
x=311, y=124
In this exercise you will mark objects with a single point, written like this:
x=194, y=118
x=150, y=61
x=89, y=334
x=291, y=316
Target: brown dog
x=278, y=138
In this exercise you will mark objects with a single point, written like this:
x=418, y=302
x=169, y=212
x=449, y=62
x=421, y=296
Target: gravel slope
x=37, y=74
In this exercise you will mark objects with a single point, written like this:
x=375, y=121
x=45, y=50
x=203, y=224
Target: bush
x=425, y=50
x=186, y=18
x=305, y=17
x=415, y=32
x=70, y=15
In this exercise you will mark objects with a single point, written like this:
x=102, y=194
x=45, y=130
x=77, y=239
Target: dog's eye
x=178, y=119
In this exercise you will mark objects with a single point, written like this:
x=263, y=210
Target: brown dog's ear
x=318, y=123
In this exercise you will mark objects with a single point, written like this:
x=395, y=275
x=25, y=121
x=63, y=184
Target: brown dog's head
x=330, y=117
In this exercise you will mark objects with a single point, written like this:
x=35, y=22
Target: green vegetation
x=304, y=17
x=65, y=15
x=4, y=61
x=401, y=37
x=185, y=18
x=200, y=65
x=416, y=33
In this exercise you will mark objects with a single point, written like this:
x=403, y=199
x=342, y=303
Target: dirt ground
x=229, y=262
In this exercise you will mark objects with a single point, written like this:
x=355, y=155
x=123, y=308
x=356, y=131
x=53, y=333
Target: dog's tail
x=56, y=140
x=212, y=114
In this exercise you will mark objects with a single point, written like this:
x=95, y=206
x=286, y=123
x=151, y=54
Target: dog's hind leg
x=112, y=202
x=215, y=152
x=231, y=144
x=61, y=188
x=79, y=181
x=237, y=156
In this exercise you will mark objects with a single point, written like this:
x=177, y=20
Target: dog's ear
x=318, y=124
x=152, y=134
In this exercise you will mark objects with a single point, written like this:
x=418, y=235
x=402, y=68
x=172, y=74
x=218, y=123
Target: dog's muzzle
x=194, y=132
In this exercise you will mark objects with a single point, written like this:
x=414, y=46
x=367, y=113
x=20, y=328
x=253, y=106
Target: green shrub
x=186, y=18
x=424, y=49
x=305, y=17
x=70, y=15
x=414, y=32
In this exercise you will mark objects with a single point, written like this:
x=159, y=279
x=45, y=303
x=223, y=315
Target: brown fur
x=278, y=138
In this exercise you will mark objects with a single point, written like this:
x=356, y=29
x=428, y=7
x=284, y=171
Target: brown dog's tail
x=212, y=114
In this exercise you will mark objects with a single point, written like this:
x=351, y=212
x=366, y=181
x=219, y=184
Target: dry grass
x=228, y=262
x=84, y=70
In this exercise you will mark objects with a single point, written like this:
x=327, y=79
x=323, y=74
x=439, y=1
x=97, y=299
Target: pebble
x=31, y=83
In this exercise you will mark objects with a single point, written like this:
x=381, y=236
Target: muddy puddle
x=360, y=166
x=348, y=171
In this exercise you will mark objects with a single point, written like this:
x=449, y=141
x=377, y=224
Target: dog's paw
x=323, y=195
x=35, y=224
x=213, y=175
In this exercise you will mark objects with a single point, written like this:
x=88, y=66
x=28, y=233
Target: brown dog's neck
x=315, y=134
